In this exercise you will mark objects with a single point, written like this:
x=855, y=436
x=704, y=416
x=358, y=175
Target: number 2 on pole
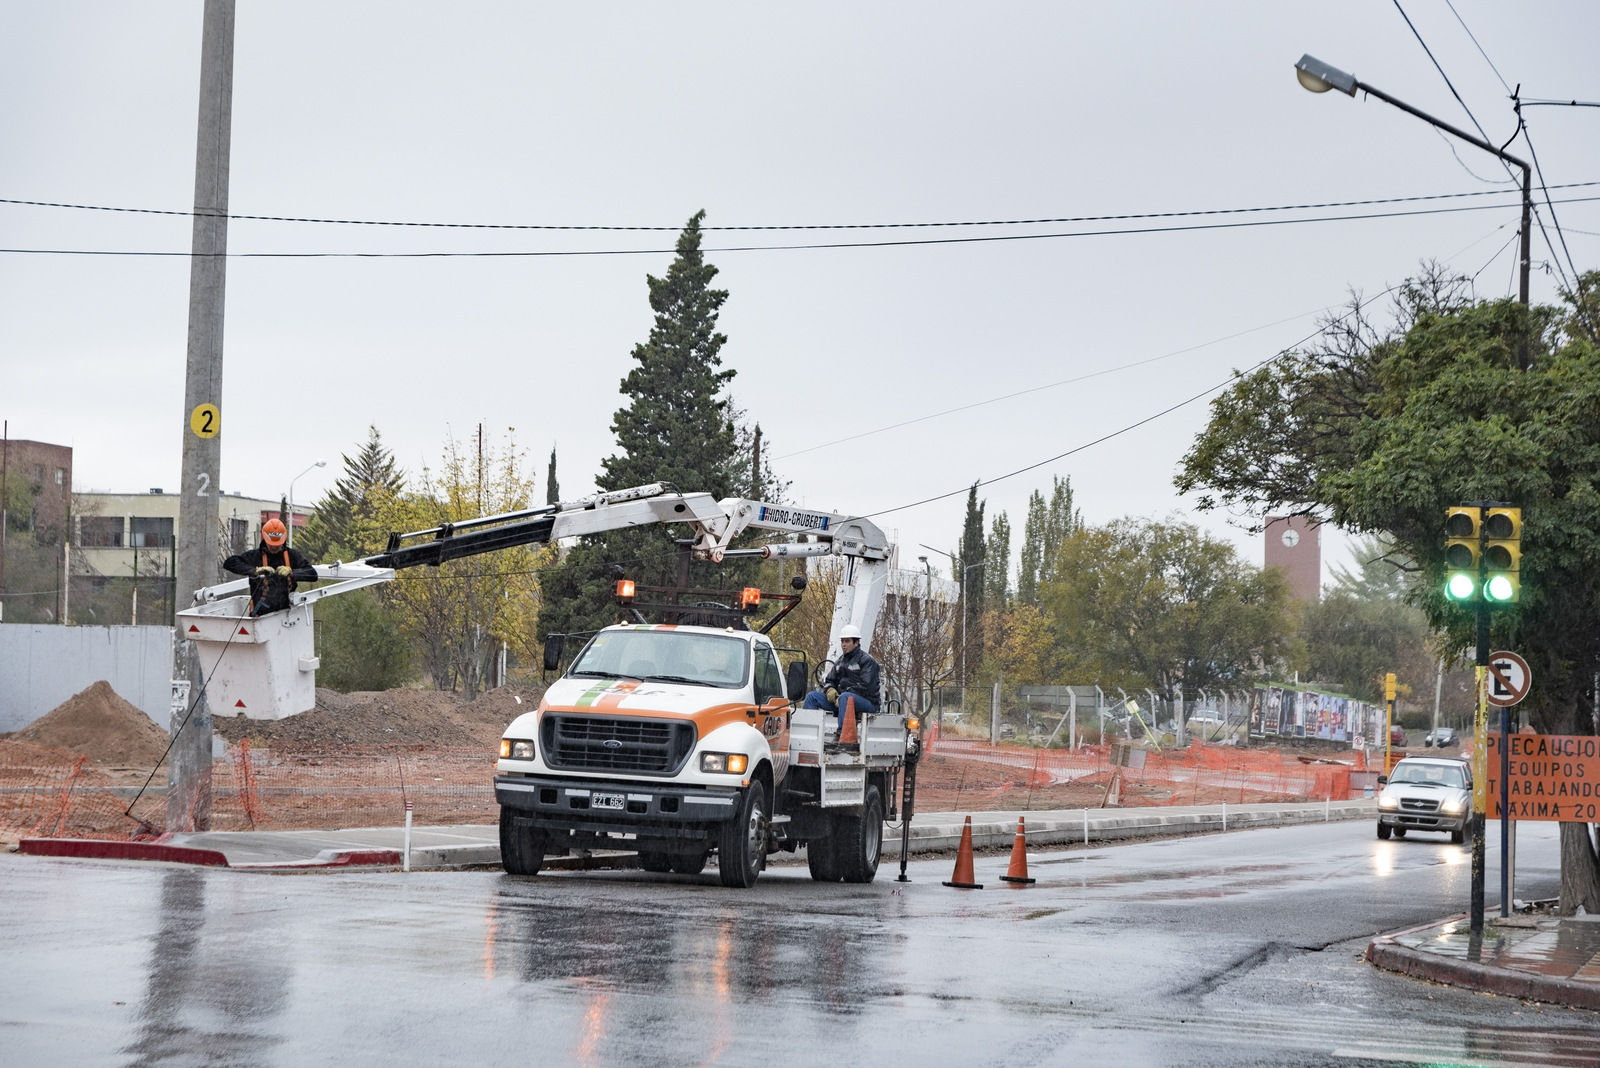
x=205, y=421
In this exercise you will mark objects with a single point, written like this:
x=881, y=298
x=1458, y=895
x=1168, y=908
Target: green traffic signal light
x=1461, y=587
x=1499, y=588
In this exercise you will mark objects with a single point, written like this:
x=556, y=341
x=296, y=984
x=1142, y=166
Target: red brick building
x=47, y=469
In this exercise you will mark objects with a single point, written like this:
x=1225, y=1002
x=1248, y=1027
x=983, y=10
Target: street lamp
x=1319, y=77
x=290, y=517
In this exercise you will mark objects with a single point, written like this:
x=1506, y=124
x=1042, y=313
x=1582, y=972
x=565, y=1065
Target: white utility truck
x=683, y=739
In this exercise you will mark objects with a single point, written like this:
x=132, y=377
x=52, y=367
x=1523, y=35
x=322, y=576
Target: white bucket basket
x=266, y=667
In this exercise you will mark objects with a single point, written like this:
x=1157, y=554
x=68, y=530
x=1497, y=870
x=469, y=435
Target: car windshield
x=665, y=656
x=1437, y=774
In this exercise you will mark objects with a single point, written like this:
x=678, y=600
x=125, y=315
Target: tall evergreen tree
x=677, y=427
x=971, y=556
x=1046, y=527
x=997, y=556
x=552, y=488
x=345, y=521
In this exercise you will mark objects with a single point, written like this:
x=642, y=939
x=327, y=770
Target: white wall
x=41, y=666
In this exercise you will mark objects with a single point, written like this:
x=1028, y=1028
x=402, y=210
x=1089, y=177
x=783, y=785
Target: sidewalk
x=443, y=848
x=1555, y=960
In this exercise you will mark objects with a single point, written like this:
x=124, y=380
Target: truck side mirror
x=1383, y=780
x=796, y=680
x=554, y=646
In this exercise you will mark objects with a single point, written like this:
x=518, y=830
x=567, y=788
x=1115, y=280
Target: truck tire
x=1458, y=837
x=1399, y=832
x=858, y=840
x=1383, y=831
x=820, y=859
x=742, y=842
x=688, y=863
x=521, y=849
x=650, y=860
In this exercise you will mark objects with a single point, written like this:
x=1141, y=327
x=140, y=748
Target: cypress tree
x=997, y=556
x=677, y=427
x=552, y=488
x=971, y=553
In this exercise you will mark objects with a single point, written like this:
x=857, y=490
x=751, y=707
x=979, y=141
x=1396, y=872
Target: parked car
x=1397, y=737
x=1426, y=794
x=1443, y=738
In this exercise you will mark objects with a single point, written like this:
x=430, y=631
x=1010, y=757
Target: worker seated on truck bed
x=274, y=569
x=855, y=676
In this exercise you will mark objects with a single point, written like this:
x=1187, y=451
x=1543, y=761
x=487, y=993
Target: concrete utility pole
x=189, y=773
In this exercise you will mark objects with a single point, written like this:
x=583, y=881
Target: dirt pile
x=397, y=717
x=101, y=726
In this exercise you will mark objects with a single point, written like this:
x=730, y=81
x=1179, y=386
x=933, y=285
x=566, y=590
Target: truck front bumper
x=651, y=810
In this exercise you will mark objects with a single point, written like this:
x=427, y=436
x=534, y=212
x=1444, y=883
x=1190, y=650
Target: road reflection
x=208, y=998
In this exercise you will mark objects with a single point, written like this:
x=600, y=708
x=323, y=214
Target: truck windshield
x=665, y=656
x=1438, y=774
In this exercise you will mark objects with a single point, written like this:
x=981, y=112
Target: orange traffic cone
x=1018, y=872
x=962, y=877
x=847, y=721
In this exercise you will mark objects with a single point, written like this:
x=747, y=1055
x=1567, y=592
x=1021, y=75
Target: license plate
x=616, y=801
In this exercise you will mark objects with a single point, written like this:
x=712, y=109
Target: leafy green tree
x=1042, y=534
x=1381, y=430
x=677, y=427
x=1141, y=603
x=360, y=646
x=1363, y=627
x=997, y=573
x=345, y=524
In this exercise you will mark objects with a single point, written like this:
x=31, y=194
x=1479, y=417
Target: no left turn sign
x=1509, y=679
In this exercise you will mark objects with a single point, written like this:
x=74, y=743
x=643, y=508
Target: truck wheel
x=1458, y=837
x=1383, y=831
x=521, y=849
x=650, y=860
x=859, y=840
x=688, y=863
x=1399, y=832
x=820, y=859
x=742, y=843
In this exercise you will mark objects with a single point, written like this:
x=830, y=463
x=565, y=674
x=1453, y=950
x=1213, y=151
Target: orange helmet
x=273, y=532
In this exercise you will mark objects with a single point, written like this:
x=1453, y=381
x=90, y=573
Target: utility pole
x=189, y=773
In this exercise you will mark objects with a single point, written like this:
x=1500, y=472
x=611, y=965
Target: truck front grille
x=615, y=743
x=1419, y=804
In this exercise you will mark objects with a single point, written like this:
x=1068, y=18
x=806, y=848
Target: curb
x=97, y=849
x=1385, y=953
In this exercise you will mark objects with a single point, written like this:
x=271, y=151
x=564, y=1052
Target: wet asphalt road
x=1239, y=949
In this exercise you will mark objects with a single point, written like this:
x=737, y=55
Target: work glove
x=832, y=696
x=263, y=571
x=285, y=572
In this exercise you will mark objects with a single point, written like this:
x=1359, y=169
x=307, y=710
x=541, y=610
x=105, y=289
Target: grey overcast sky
x=640, y=114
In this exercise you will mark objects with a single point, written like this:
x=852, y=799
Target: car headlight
x=516, y=749
x=729, y=763
x=1455, y=807
x=1388, y=802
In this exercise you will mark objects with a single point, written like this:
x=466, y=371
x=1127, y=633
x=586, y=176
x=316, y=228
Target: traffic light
x=1461, y=553
x=1502, y=556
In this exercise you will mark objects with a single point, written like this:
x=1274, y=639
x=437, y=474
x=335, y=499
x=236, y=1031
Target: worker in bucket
x=855, y=675
x=274, y=569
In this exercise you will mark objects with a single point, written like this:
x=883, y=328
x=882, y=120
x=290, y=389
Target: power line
x=898, y=243
x=1476, y=45
x=776, y=226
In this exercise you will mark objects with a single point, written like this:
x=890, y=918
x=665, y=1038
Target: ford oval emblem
x=612, y=743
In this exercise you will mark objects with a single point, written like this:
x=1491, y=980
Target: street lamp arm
x=1441, y=124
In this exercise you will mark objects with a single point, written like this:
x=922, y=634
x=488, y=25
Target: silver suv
x=1426, y=794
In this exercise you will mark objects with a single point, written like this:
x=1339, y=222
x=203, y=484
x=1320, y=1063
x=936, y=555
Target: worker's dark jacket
x=855, y=673
x=271, y=591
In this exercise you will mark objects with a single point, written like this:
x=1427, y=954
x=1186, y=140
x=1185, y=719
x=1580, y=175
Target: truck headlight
x=1387, y=802
x=729, y=763
x=516, y=749
x=1454, y=808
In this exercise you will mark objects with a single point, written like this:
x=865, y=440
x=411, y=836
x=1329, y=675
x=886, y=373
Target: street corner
x=1552, y=959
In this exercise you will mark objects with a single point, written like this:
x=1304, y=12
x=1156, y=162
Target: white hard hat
x=850, y=630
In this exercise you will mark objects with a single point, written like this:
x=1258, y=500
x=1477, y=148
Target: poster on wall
x=1258, y=701
x=1274, y=718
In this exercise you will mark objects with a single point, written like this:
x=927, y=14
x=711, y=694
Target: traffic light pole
x=1480, y=769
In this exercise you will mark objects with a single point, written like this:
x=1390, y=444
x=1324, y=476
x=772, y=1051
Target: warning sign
x=1553, y=777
